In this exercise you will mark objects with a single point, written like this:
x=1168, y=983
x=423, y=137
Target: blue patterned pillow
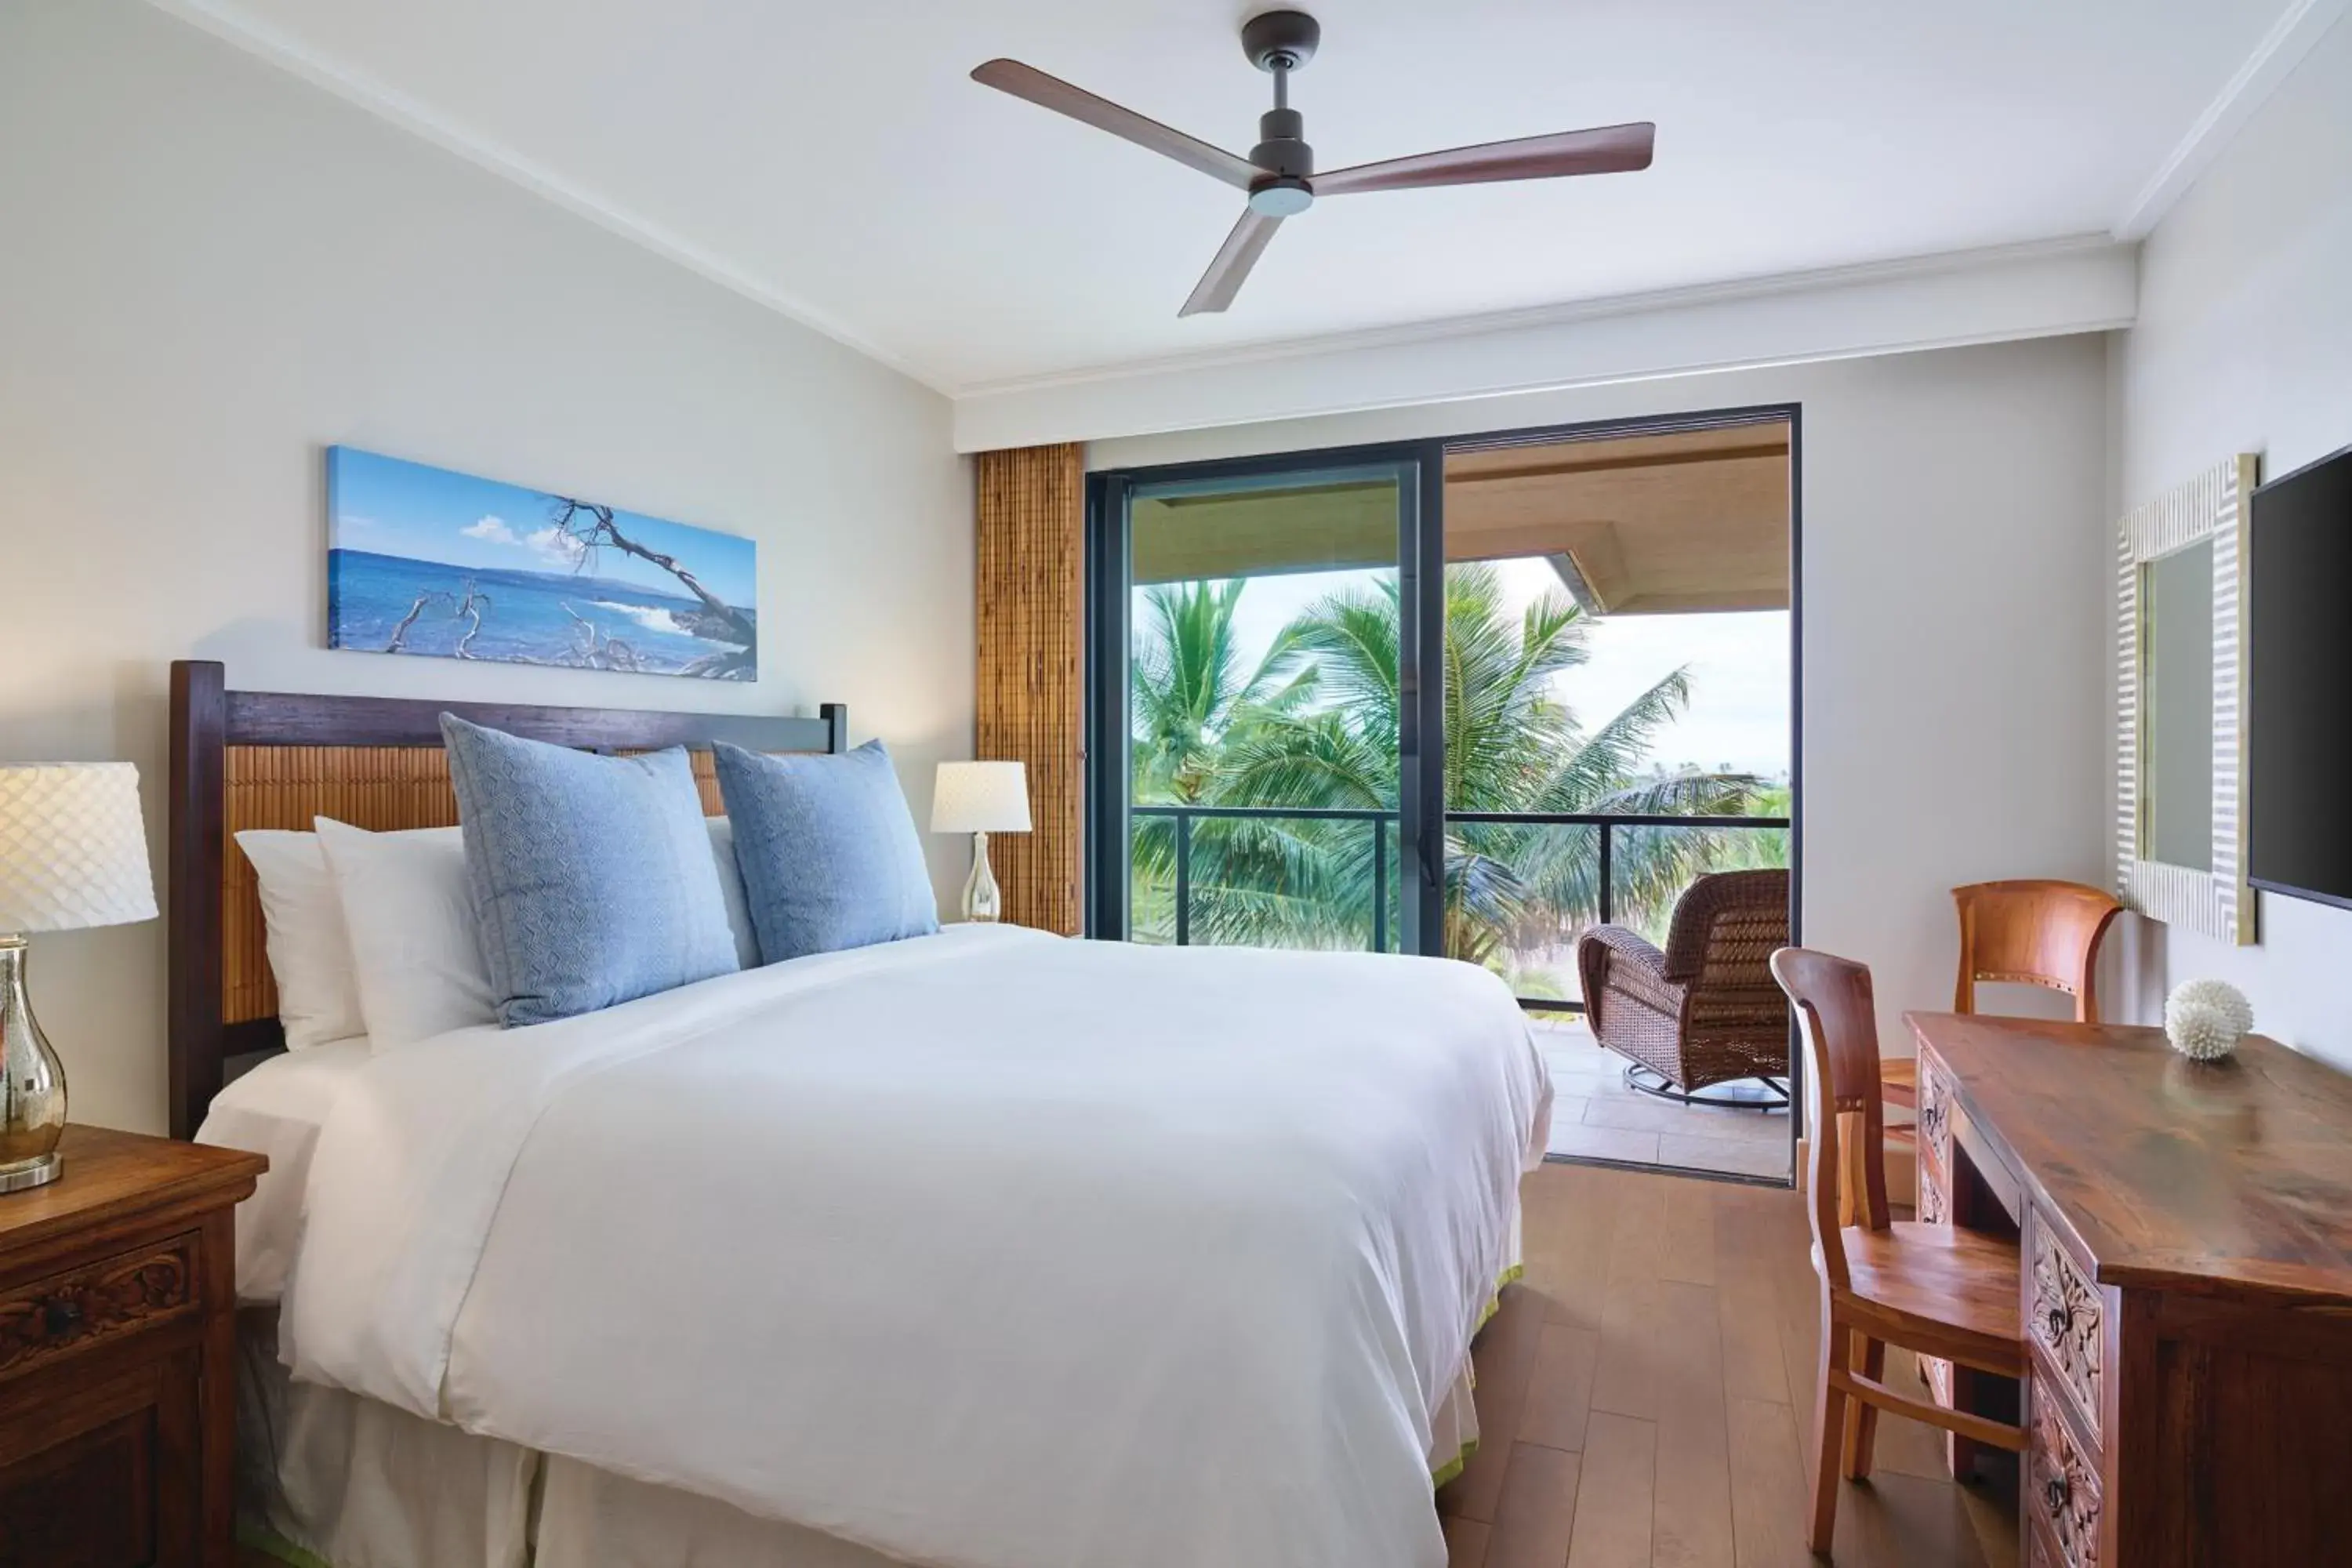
x=829, y=852
x=592, y=876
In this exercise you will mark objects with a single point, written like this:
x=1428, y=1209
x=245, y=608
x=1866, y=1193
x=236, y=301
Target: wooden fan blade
x=1240, y=252
x=1603, y=150
x=1053, y=93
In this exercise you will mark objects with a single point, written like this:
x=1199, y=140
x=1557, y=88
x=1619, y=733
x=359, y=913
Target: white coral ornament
x=2205, y=1019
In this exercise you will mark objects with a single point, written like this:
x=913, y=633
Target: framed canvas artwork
x=424, y=560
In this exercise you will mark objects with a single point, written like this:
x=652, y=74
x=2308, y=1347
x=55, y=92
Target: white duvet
x=986, y=1250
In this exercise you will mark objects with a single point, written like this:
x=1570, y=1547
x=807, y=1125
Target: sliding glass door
x=1472, y=697
x=1258, y=707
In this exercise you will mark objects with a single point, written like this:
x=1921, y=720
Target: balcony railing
x=1381, y=823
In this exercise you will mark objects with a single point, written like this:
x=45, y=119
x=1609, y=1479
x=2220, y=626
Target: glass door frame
x=1420, y=712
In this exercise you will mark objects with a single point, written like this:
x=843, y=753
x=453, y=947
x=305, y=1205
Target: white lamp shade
x=980, y=797
x=73, y=851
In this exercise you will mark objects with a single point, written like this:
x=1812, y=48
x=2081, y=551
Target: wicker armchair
x=1706, y=1011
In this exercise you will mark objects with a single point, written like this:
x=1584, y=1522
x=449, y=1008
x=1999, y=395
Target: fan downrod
x=1280, y=40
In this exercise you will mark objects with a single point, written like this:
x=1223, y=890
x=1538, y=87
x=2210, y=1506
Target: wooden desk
x=2186, y=1269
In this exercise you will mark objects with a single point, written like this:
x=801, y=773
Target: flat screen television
x=2299, y=683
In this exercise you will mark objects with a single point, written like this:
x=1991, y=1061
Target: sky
x=389, y=507
x=1739, y=663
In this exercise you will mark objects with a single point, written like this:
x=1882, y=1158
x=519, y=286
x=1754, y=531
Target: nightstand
x=118, y=1355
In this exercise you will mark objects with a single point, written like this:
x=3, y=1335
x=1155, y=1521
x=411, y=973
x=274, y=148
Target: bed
x=986, y=1249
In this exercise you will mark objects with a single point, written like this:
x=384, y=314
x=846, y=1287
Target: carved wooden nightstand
x=118, y=1355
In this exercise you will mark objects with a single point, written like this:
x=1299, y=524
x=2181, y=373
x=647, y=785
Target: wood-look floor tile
x=1894, y=1520
x=1626, y=1382
x=1614, y=1494
x=1746, y=1300
x=1536, y=1520
x=1768, y=1485
x=1908, y=1448
x=1686, y=1235
x=1465, y=1543
x=1560, y=1389
x=1504, y=1358
x=1635, y=1414
x=1565, y=1231
x=1692, y=1526
x=1991, y=1508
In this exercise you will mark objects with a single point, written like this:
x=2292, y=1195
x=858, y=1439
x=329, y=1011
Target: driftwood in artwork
x=591, y=527
x=468, y=609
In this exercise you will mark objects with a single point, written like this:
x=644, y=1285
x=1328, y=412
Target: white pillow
x=308, y=953
x=408, y=911
x=730, y=888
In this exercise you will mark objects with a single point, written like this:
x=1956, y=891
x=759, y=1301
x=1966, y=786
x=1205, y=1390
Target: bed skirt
x=331, y=1479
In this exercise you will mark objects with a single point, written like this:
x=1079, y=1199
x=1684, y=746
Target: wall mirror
x=2179, y=757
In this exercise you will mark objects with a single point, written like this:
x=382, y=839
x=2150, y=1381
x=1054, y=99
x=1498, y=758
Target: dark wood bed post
x=192, y=863
x=836, y=726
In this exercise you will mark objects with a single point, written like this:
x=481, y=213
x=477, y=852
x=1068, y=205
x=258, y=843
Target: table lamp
x=980, y=798
x=73, y=853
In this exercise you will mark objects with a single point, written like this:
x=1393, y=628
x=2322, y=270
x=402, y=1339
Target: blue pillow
x=828, y=850
x=592, y=877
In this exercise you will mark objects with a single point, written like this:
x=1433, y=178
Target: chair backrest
x=1834, y=1001
x=1726, y=928
x=2033, y=932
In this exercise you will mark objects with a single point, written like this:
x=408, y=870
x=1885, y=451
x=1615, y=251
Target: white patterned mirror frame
x=2217, y=902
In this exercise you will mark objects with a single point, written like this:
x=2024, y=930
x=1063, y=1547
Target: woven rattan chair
x=1705, y=1010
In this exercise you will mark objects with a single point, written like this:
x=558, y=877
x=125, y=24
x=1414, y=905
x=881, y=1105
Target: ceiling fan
x=1279, y=173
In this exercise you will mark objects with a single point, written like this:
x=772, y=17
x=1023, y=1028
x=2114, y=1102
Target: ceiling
x=834, y=161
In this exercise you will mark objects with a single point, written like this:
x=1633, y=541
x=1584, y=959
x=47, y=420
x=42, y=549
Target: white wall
x=210, y=271
x=2244, y=344
x=1954, y=560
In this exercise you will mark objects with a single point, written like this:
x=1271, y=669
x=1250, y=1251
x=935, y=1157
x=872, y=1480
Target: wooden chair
x=2032, y=931
x=1935, y=1290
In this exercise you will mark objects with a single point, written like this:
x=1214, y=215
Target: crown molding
x=2076, y=285
x=408, y=114
x=2291, y=37
x=1530, y=318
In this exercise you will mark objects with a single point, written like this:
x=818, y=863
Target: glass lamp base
x=982, y=903
x=35, y=1173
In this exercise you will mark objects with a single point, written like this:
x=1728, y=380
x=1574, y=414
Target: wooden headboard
x=272, y=759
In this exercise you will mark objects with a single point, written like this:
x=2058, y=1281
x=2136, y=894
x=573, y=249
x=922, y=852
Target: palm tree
x=1330, y=740
x=1190, y=699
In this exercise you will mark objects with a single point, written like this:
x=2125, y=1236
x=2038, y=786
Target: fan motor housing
x=1280, y=40
x=1282, y=148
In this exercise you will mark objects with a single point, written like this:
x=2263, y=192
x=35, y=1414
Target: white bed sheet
x=277, y=1109
x=978, y=1249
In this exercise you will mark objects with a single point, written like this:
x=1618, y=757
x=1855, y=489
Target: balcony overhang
x=1690, y=522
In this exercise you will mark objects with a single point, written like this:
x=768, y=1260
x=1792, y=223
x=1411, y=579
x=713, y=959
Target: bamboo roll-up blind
x=1031, y=609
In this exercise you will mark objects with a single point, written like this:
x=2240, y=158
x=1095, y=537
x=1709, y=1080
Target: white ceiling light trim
x=2303, y=25
x=1945, y=301
x=398, y=109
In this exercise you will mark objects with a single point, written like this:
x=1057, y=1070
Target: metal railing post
x=1607, y=877
x=1380, y=885
x=1183, y=878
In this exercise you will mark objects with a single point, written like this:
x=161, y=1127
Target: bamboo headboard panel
x=250, y=758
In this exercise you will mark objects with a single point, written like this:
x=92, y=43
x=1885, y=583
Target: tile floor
x=1594, y=1116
